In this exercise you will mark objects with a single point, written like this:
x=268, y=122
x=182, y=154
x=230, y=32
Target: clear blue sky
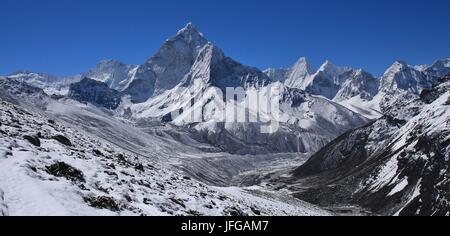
x=65, y=37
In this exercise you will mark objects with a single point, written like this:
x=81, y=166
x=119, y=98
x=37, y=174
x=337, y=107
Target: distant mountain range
x=379, y=144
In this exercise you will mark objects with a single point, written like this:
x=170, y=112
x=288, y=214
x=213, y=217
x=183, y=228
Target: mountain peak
x=21, y=72
x=396, y=67
x=400, y=63
x=26, y=74
x=359, y=72
x=329, y=68
x=327, y=64
x=110, y=62
x=442, y=63
x=439, y=68
x=421, y=68
x=190, y=35
x=189, y=30
x=302, y=68
x=190, y=25
x=302, y=60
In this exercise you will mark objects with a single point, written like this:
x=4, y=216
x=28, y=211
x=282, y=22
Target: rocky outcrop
x=95, y=92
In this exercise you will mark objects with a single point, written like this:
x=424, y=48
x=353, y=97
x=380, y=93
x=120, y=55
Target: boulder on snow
x=33, y=140
x=102, y=202
x=63, y=140
x=61, y=169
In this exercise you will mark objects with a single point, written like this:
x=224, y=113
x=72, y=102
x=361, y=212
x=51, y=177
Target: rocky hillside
x=397, y=165
x=49, y=168
x=95, y=92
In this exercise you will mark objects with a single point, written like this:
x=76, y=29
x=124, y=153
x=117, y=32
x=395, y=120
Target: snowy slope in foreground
x=60, y=171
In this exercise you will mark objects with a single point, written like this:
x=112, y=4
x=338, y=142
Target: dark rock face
x=435, y=185
x=178, y=202
x=167, y=118
x=19, y=88
x=235, y=74
x=295, y=97
x=139, y=88
x=63, y=140
x=95, y=92
x=12, y=90
x=33, y=140
x=346, y=151
x=61, y=169
x=430, y=95
x=439, y=69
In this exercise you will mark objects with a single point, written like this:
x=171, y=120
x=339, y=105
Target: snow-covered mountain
x=190, y=74
x=168, y=67
x=354, y=89
x=401, y=83
x=20, y=92
x=306, y=122
x=357, y=89
x=397, y=165
x=95, y=92
x=154, y=138
x=358, y=83
x=439, y=68
x=401, y=76
x=49, y=83
x=36, y=79
x=297, y=76
x=213, y=68
x=359, y=93
x=330, y=81
x=305, y=127
x=188, y=66
x=115, y=74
